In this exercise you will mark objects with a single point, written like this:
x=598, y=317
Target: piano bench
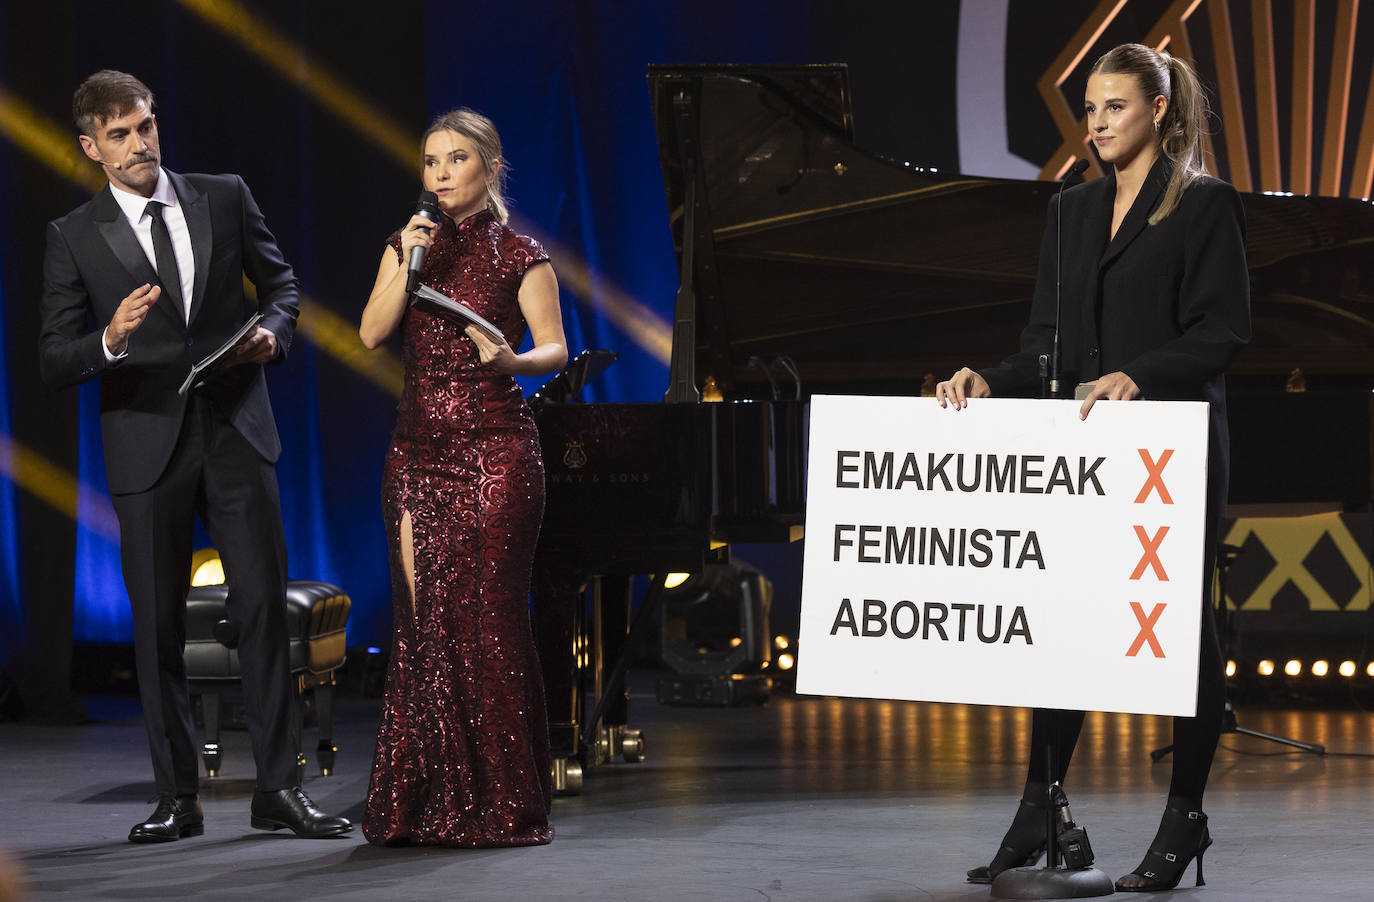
x=316, y=618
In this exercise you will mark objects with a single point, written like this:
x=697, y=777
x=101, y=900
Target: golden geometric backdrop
x=1349, y=108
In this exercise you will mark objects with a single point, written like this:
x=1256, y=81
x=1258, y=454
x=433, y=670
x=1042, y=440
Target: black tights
x=1195, y=738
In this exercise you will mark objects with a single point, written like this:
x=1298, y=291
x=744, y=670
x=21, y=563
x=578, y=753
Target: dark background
x=565, y=83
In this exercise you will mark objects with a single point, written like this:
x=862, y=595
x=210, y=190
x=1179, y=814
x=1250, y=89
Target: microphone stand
x=1072, y=177
x=1077, y=879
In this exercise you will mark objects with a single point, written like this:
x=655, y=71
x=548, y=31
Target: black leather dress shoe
x=174, y=817
x=292, y=808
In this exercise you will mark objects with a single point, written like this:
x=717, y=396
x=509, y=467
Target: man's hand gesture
x=129, y=316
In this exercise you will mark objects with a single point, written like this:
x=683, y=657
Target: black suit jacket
x=93, y=261
x=1166, y=304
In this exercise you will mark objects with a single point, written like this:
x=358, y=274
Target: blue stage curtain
x=567, y=90
x=566, y=86
x=102, y=606
x=12, y=631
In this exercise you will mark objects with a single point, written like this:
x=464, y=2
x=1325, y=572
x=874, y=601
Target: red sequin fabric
x=463, y=750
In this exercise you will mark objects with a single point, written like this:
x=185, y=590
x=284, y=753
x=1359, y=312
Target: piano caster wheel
x=618, y=741
x=325, y=752
x=602, y=749
x=632, y=746
x=567, y=776
x=210, y=754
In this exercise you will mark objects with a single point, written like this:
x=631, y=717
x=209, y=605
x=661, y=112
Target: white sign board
x=1007, y=553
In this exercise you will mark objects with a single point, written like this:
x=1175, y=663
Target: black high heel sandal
x=1021, y=847
x=1182, y=836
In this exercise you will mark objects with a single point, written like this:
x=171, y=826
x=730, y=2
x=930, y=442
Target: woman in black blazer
x=1156, y=302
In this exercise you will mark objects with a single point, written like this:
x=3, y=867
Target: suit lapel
x=196, y=208
x=1141, y=208
x=119, y=235
x=1097, y=222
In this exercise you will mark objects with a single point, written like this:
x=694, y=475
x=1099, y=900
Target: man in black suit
x=155, y=263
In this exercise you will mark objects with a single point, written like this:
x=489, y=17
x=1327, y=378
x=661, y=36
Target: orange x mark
x=1151, y=555
x=1147, y=630
x=1155, y=478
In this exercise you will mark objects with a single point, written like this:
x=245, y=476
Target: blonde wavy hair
x=482, y=133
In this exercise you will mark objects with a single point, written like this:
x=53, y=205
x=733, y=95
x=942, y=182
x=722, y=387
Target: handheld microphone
x=1073, y=176
x=428, y=207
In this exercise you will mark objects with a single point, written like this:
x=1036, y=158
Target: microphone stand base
x=1052, y=883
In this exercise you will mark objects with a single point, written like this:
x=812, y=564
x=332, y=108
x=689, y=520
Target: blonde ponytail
x=1182, y=126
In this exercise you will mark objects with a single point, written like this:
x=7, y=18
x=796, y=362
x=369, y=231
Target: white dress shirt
x=134, y=207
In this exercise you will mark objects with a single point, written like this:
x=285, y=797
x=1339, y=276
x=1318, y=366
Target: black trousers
x=1054, y=733
x=215, y=473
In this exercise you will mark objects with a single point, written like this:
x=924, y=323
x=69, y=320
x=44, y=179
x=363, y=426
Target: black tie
x=167, y=272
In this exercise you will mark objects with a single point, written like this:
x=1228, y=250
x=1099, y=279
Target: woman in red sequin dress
x=463, y=751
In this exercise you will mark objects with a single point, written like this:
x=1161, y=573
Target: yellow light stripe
x=42, y=139
x=338, y=338
x=259, y=39
x=57, y=488
x=51, y=484
x=643, y=325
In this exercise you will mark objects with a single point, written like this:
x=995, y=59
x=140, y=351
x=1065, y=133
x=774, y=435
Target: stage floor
x=804, y=798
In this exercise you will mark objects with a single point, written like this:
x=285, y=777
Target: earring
x=1156, y=126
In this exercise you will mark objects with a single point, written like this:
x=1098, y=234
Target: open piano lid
x=870, y=273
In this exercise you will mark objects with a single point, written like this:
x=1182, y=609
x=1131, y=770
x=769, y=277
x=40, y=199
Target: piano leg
x=610, y=631
x=559, y=620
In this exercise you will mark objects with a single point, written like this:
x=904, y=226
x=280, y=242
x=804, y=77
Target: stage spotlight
x=1266, y=667
x=1230, y=668
x=206, y=569
x=786, y=661
x=1320, y=668
x=1369, y=669
x=1293, y=667
x=714, y=636
x=1347, y=668
x=781, y=643
x=673, y=580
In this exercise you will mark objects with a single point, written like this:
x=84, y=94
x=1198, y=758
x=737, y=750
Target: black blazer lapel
x=1139, y=215
x=196, y=208
x=1097, y=222
x=119, y=235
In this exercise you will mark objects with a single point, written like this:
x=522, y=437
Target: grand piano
x=808, y=265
